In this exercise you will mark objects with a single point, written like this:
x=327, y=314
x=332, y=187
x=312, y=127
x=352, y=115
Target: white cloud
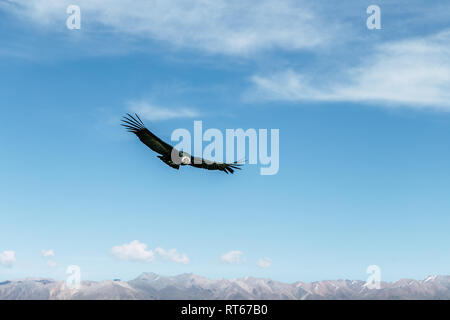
x=264, y=263
x=232, y=257
x=223, y=26
x=413, y=73
x=137, y=251
x=152, y=112
x=134, y=251
x=47, y=253
x=287, y=85
x=172, y=254
x=51, y=263
x=7, y=258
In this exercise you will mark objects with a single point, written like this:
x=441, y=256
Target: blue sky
x=364, y=128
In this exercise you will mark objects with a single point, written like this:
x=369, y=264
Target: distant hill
x=190, y=286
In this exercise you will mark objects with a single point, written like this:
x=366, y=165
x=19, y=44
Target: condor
x=168, y=154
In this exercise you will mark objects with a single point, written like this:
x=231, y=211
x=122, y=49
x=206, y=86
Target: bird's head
x=185, y=160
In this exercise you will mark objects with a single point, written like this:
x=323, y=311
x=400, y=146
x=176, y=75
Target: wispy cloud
x=51, y=264
x=137, y=251
x=264, y=262
x=220, y=26
x=413, y=73
x=153, y=112
x=233, y=257
x=47, y=253
x=7, y=258
x=172, y=254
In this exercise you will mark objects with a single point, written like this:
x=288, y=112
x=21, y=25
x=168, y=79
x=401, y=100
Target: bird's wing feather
x=137, y=127
x=211, y=165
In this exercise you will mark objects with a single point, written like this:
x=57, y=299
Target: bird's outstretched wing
x=136, y=126
x=210, y=165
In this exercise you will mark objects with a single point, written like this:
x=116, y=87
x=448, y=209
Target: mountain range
x=190, y=286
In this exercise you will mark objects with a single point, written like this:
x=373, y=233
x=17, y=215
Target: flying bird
x=168, y=154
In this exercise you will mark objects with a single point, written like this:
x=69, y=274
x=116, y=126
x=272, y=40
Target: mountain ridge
x=151, y=286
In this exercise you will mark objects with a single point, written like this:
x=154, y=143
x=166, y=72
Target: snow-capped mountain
x=190, y=286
